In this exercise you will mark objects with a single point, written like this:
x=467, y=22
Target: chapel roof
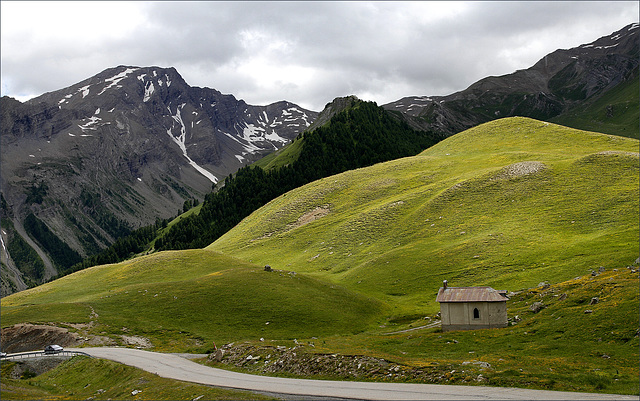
x=471, y=294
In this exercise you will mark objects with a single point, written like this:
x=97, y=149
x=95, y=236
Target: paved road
x=175, y=367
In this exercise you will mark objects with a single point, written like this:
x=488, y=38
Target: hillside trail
x=426, y=326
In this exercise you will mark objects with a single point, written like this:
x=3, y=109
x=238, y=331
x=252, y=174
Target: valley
x=87, y=166
x=546, y=212
x=141, y=212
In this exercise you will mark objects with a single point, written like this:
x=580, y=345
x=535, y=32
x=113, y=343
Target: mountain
x=85, y=165
x=354, y=134
x=127, y=148
x=546, y=212
x=553, y=88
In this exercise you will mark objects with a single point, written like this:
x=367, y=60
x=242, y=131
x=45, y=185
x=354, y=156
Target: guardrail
x=40, y=354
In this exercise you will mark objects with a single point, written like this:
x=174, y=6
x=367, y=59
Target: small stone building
x=471, y=308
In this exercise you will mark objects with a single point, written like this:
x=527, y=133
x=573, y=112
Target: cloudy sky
x=304, y=52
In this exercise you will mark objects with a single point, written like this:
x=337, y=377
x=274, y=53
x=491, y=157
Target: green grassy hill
x=189, y=299
x=508, y=204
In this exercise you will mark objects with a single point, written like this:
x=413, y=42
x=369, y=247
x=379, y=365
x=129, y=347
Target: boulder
x=537, y=307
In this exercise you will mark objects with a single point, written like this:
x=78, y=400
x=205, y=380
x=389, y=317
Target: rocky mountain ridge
x=551, y=87
x=121, y=149
x=84, y=165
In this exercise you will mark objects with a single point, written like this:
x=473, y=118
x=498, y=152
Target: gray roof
x=471, y=294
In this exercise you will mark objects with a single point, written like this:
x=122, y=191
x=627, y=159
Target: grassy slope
x=559, y=348
x=82, y=377
x=185, y=299
x=397, y=229
x=393, y=233
x=282, y=157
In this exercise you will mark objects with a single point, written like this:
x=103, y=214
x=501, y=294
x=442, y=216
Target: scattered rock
x=484, y=365
x=562, y=297
x=520, y=169
x=298, y=362
x=594, y=301
x=268, y=268
x=588, y=311
x=217, y=355
x=544, y=285
x=537, y=307
x=134, y=392
x=139, y=342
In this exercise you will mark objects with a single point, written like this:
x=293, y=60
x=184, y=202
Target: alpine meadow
x=512, y=204
x=313, y=244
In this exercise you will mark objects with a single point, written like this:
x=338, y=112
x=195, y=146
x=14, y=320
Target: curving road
x=175, y=367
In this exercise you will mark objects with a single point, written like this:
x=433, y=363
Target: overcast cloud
x=304, y=52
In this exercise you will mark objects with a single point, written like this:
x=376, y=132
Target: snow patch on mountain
x=251, y=133
x=148, y=91
x=274, y=137
x=65, y=99
x=91, y=124
x=289, y=116
x=117, y=78
x=181, y=142
x=84, y=90
x=248, y=147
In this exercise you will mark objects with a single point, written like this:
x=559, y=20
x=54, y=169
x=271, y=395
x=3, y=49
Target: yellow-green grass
x=187, y=300
x=282, y=157
x=383, y=239
x=81, y=378
x=397, y=229
x=563, y=347
x=559, y=348
x=195, y=209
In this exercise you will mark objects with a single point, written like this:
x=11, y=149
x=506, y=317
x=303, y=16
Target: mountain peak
x=332, y=108
x=127, y=146
x=553, y=86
